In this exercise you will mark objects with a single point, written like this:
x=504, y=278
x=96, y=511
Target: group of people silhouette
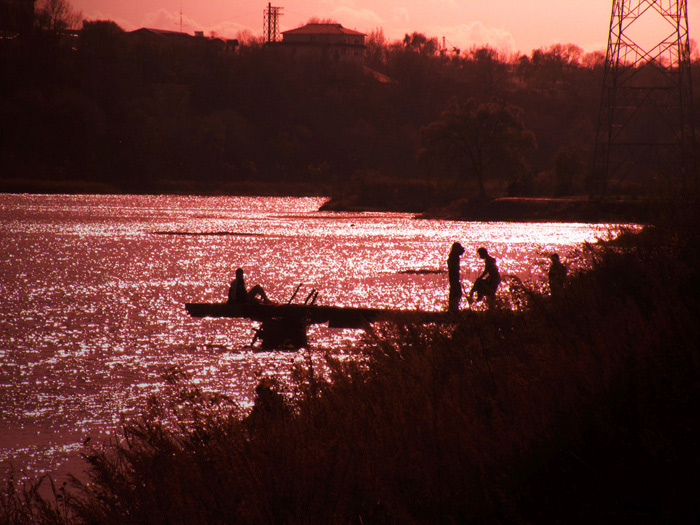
x=486, y=285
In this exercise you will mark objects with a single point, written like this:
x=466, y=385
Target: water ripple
x=94, y=289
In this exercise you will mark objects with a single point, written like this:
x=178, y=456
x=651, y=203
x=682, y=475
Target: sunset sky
x=507, y=25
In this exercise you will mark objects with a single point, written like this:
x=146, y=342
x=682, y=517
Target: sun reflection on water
x=94, y=290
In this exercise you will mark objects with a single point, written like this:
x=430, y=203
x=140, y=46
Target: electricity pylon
x=271, y=23
x=646, y=125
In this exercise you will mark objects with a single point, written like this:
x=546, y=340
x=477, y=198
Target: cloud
x=351, y=17
x=168, y=20
x=400, y=16
x=228, y=29
x=476, y=34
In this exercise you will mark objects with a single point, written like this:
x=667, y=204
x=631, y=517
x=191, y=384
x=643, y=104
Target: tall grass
x=580, y=408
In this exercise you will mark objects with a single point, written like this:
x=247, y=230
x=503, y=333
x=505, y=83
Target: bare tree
x=57, y=15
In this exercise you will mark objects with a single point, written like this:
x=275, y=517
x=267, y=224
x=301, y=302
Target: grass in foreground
x=580, y=409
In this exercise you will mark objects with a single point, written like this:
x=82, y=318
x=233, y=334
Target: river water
x=93, y=291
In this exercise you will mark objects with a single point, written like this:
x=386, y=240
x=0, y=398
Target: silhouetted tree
x=420, y=43
x=568, y=166
x=487, y=70
x=548, y=66
x=132, y=108
x=479, y=139
x=376, y=49
x=56, y=15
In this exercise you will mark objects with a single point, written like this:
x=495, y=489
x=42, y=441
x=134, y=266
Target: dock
x=285, y=324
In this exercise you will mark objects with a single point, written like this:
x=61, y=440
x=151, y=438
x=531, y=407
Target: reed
x=577, y=408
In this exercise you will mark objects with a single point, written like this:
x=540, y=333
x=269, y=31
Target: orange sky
x=507, y=25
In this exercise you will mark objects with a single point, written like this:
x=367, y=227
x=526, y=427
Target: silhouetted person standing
x=487, y=283
x=556, y=275
x=237, y=292
x=453, y=275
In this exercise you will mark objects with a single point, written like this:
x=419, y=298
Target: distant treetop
x=316, y=20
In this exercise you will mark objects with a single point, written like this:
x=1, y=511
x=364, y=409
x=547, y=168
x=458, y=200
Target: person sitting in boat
x=237, y=293
x=487, y=283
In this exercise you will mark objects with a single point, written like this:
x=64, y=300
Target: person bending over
x=487, y=283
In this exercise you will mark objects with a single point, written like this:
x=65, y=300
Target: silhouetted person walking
x=487, y=283
x=237, y=292
x=453, y=275
x=556, y=275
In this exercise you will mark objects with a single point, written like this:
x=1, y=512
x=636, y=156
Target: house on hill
x=168, y=38
x=325, y=41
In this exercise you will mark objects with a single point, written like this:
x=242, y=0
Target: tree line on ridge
x=108, y=110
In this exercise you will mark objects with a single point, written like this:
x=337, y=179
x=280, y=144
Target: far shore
x=575, y=209
x=528, y=209
x=509, y=209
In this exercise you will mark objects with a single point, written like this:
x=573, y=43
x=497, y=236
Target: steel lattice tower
x=645, y=127
x=271, y=23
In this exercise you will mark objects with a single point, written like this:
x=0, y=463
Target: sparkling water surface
x=93, y=292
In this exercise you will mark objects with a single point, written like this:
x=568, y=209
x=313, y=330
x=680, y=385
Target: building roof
x=322, y=29
x=160, y=32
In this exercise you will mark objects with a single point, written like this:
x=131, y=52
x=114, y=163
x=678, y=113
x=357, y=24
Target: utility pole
x=271, y=23
x=646, y=121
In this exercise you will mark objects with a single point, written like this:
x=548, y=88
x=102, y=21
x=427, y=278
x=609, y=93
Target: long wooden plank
x=335, y=316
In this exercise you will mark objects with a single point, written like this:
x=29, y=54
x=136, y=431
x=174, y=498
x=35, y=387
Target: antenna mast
x=271, y=23
x=646, y=125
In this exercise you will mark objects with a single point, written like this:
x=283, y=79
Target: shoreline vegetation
x=578, y=408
